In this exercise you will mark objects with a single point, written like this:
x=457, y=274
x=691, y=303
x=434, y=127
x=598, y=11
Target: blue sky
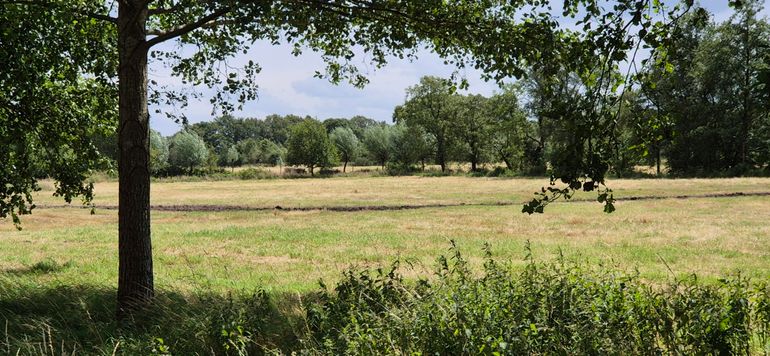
x=287, y=84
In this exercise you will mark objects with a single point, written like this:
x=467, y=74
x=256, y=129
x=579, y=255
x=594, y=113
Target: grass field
x=289, y=251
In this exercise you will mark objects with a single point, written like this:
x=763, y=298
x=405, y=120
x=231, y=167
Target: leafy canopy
x=60, y=59
x=309, y=145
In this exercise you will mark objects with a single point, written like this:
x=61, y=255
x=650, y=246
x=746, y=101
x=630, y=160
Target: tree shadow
x=81, y=319
x=46, y=266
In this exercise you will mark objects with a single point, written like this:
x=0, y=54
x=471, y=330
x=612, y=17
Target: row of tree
x=705, y=113
x=435, y=127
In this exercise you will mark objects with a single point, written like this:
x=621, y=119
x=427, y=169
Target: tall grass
x=552, y=307
x=548, y=308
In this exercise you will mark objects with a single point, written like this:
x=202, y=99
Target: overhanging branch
x=165, y=35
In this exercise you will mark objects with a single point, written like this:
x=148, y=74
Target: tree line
x=467, y=128
x=705, y=113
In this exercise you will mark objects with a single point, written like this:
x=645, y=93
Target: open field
x=289, y=251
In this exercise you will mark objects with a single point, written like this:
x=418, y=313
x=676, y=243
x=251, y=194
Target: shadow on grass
x=80, y=320
x=47, y=266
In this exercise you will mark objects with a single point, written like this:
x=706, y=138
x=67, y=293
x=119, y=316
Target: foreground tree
x=485, y=34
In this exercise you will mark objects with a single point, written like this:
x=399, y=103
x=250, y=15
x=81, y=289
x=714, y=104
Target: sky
x=287, y=84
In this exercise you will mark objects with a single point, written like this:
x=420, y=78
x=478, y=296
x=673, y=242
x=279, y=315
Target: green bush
x=556, y=307
x=548, y=308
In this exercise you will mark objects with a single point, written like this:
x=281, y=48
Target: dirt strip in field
x=215, y=208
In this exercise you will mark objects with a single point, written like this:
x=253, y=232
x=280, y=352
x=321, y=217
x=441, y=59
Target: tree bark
x=345, y=167
x=135, y=276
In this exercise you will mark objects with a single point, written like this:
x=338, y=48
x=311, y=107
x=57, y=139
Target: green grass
x=287, y=252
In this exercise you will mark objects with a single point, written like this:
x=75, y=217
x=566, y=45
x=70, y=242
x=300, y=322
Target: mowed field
x=289, y=251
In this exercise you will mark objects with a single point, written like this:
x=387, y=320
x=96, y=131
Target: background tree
x=309, y=145
x=429, y=106
x=278, y=127
x=472, y=128
x=359, y=124
x=226, y=130
x=409, y=145
x=377, y=141
x=707, y=102
x=347, y=145
x=187, y=150
x=232, y=157
x=270, y=152
x=333, y=123
x=158, y=152
x=249, y=151
x=508, y=128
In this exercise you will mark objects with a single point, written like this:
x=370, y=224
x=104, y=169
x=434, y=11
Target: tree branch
x=164, y=35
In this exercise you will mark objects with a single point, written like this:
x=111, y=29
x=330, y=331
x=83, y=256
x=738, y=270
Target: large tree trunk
x=135, y=280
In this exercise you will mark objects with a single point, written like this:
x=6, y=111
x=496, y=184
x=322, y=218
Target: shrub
x=548, y=308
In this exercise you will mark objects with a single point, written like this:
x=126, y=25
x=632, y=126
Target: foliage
x=509, y=128
x=408, y=145
x=50, y=114
x=309, y=145
x=347, y=144
x=158, y=152
x=547, y=308
x=708, y=108
x=232, y=157
x=238, y=324
x=378, y=141
x=187, y=151
x=472, y=128
x=556, y=307
x=428, y=106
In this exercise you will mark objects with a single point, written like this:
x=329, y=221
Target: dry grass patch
x=291, y=250
x=391, y=191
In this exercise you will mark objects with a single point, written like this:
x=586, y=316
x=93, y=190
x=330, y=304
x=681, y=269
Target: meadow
x=291, y=250
x=58, y=274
